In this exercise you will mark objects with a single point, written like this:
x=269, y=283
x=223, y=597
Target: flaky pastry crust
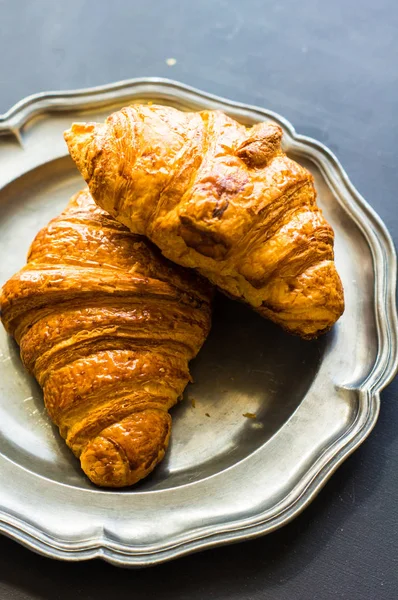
x=107, y=326
x=221, y=198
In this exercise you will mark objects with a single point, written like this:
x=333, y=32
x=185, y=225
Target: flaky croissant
x=221, y=198
x=107, y=326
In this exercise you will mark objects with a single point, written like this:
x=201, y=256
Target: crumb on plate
x=249, y=415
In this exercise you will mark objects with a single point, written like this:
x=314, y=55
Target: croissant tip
x=78, y=135
x=78, y=138
x=129, y=450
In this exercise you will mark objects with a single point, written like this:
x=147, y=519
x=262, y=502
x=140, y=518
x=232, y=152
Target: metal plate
x=225, y=477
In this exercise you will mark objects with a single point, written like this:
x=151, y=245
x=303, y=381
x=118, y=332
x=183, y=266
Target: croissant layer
x=220, y=198
x=107, y=326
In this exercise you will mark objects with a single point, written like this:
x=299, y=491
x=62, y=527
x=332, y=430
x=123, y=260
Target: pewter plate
x=226, y=477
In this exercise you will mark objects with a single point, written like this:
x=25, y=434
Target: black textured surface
x=331, y=69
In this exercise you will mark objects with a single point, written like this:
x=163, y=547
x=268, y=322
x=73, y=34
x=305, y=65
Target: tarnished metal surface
x=226, y=477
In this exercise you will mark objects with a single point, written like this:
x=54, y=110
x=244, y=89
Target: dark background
x=331, y=68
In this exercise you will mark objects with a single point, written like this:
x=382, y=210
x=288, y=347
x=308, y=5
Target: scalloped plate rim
x=381, y=374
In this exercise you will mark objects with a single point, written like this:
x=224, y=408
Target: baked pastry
x=221, y=198
x=107, y=326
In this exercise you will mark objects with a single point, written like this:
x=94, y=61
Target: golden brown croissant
x=221, y=198
x=107, y=326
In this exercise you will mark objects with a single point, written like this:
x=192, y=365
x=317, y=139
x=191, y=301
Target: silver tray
x=226, y=477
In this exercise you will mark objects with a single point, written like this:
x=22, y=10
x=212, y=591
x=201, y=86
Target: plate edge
x=383, y=371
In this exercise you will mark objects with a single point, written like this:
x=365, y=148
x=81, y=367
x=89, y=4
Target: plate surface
x=226, y=477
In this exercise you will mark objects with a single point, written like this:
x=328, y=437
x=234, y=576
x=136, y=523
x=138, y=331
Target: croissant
x=107, y=326
x=221, y=198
